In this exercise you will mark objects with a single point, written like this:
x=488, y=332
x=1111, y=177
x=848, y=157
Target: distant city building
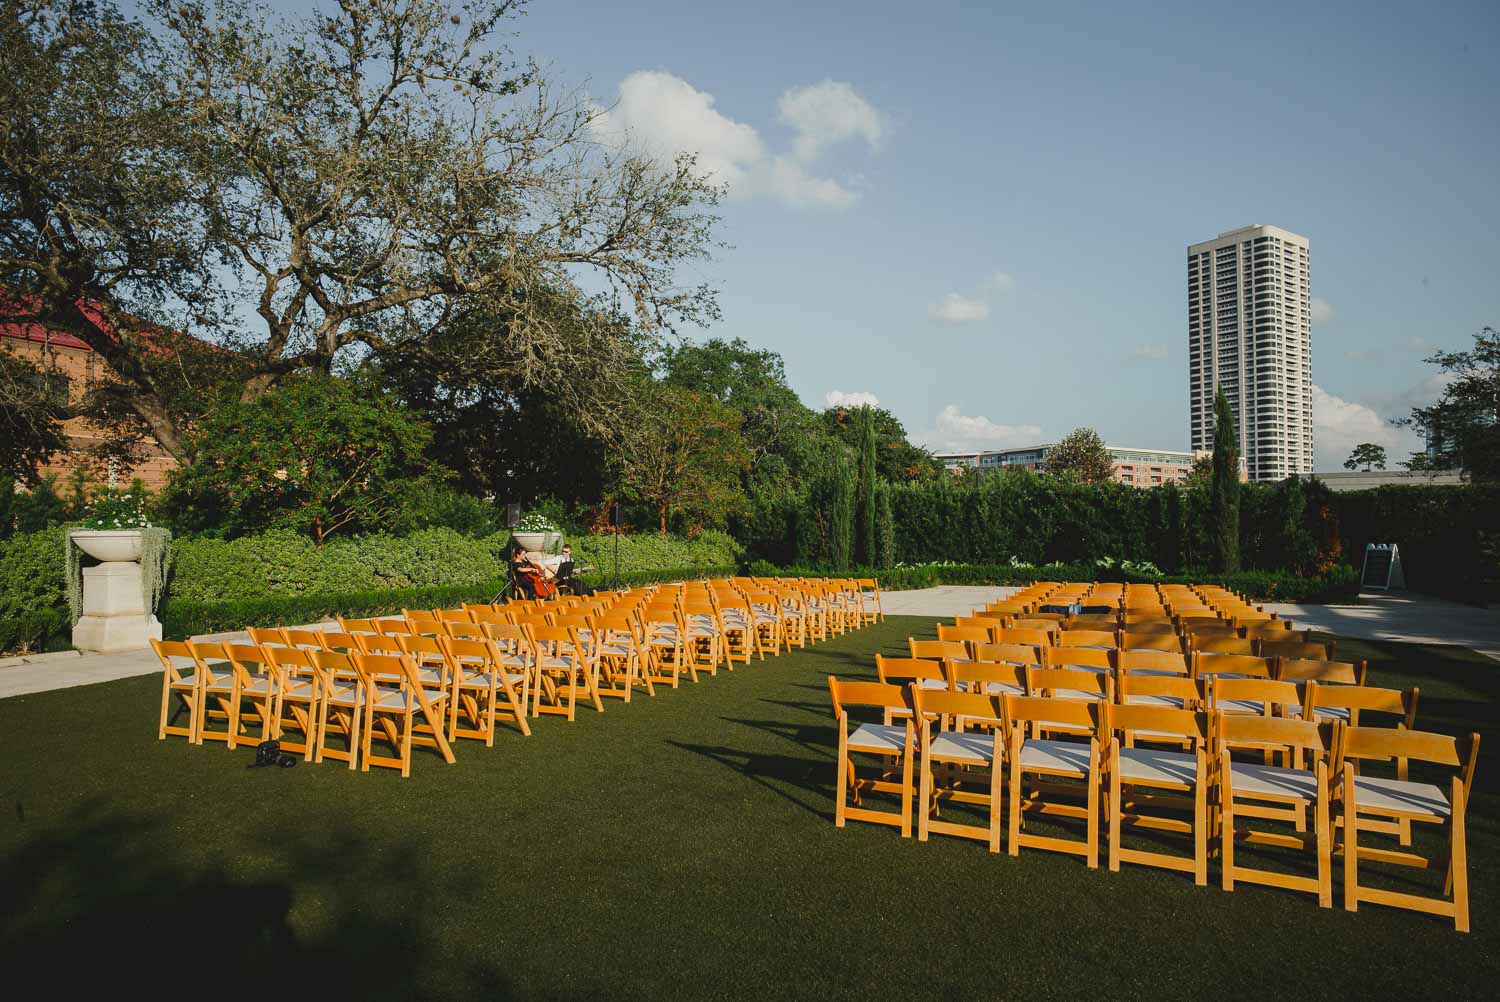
x=1250, y=333
x=1370, y=479
x=1135, y=467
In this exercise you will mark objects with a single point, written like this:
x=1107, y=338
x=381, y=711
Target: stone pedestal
x=113, y=617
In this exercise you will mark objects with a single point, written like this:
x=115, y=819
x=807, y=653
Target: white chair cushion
x=971, y=747
x=1058, y=756
x=1006, y=688
x=1154, y=766
x=1379, y=794
x=882, y=738
x=1273, y=781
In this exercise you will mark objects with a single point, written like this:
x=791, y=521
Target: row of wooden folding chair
x=1115, y=778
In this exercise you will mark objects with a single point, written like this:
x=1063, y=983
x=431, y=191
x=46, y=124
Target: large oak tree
x=353, y=180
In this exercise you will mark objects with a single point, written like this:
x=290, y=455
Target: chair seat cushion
x=1398, y=795
x=1152, y=765
x=1273, y=781
x=1174, y=702
x=880, y=738
x=1057, y=756
x=971, y=747
x=1245, y=706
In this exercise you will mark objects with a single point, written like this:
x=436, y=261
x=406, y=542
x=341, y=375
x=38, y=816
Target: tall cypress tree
x=864, y=492
x=1224, y=498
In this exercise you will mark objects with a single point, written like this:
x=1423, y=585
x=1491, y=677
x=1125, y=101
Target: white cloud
x=1322, y=311
x=1339, y=425
x=1000, y=282
x=958, y=432
x=956, y=309
x=827, y=113
x=854, y=398
x=1150, y=352
x=664, y=117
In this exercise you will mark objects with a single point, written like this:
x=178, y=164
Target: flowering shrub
x=116, y=510
x=535, y=521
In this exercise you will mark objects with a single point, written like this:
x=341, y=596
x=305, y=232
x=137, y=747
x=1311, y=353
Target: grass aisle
x=681, y=847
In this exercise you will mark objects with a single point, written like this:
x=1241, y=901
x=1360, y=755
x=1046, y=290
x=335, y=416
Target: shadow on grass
x=106, y=900
x=776, y=773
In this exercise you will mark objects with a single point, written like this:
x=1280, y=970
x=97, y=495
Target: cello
x=534, y=581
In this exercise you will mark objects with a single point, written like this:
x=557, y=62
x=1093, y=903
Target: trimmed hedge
x=33, y=598
x=1341, y=584
x=37, y=631
x=1449, y=536
x=653, y=553
x=181, y=618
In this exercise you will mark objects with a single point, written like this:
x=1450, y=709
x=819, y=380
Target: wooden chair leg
x=843, y=780
x=1351, y=844
x=1458, y=860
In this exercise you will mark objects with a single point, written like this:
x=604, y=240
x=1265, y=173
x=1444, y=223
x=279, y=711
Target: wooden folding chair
x=991, y=678
x=1052, y=760
x=357, y=625
x=870, y=608
x=180, y=677
x=966, y=635
x=218, y=694
x=484, y=686
x=264, y=636
x=703, y=638
x=1201, y=643
x=259, y=685
x=1151, y=662
x=885, y=740
x=622, y=661
x=1371, y=803
x=1102, y=639
x=1021, y=635
x=903, y=672
x=1311, y=650
x=1133, y=639
x=341, y=704
x=298, y=691
x=1275, y=793
x=975, y=742
x=1015, y=654
x=938, y=650
x=1230, y=665
x=1322, y=701
x=1144, y=778
x=740, y=636
x=402, y=709
x=662, y=641
x=1092, y=658
x=560, y=665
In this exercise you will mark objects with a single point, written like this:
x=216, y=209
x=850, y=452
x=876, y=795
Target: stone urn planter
x=531, y=542
x=554, y=539
x=114, y=614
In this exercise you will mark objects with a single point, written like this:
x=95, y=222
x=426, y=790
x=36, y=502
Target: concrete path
x=1401, y=617
x=1405, y=618
x=66, y=669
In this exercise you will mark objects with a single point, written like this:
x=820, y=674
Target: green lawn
x=681, y=847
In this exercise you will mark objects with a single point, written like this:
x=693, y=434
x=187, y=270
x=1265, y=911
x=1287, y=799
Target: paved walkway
x=1401, y=617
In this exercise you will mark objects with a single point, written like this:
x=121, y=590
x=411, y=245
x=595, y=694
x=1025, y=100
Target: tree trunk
x=662, y=510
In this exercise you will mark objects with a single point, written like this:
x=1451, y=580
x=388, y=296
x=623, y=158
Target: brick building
x=70, y=368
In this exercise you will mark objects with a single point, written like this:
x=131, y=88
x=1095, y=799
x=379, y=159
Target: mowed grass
x=680, y=847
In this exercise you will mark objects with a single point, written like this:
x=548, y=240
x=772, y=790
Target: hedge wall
x=33, y=599
x=1340, y=584
x=1449, y=536
x=181, y=617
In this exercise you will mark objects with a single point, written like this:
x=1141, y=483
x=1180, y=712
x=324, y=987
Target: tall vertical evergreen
x=1224, y=496
x=864, y=491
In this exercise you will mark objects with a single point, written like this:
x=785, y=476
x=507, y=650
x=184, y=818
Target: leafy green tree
x=1366, y=454
x=319, y=455
x=1463, y=426
x=864, y=491
x=7, y=507
x=896, y=458
x=1083, y=455
x=1224, y=498
x=40, y=508
x=683, y=456
x=30, y=427
x=362, y=174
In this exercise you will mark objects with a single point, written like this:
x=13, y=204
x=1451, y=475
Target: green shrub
x=647, y=552
x=183, y=618
x=1341, y=584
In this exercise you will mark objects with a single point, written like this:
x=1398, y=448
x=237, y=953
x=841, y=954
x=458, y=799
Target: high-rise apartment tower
x=1250, y=333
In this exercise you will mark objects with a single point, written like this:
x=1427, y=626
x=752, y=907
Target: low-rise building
x=1135, y=467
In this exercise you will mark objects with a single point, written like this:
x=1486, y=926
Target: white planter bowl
x=109, y=544
x=553, y=539
x=531, y=542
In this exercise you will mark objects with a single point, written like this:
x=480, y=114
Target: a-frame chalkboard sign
x=1382, y=568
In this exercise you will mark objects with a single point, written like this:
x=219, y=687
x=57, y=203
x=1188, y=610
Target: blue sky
x=1035, y=177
